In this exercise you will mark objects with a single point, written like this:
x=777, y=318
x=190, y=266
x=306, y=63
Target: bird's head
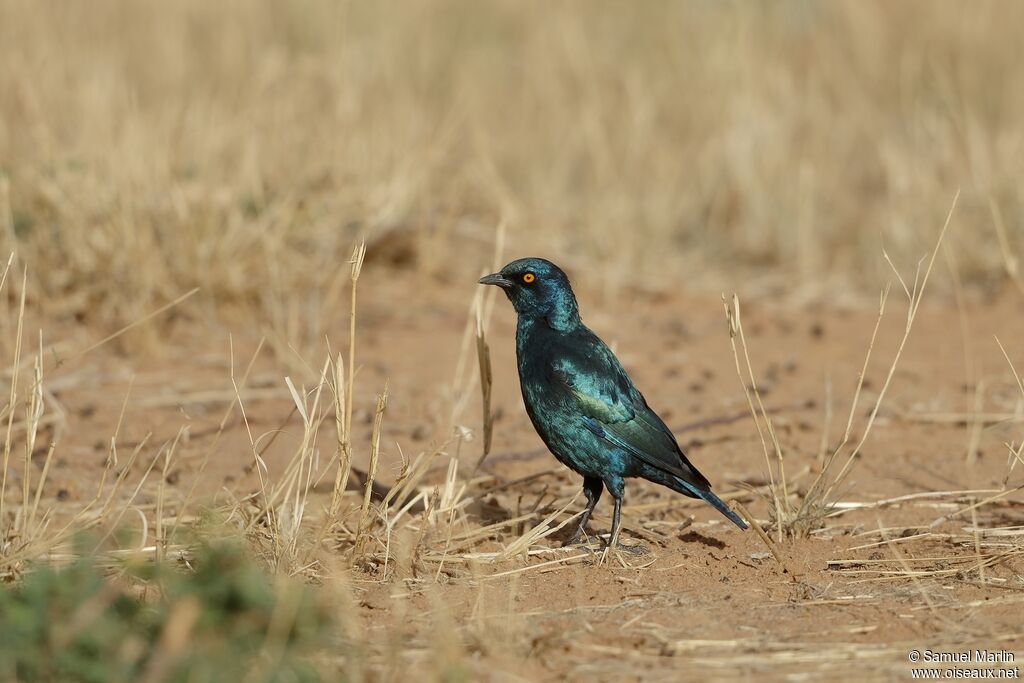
x=537, y=288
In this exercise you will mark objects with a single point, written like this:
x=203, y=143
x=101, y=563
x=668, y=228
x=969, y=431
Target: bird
x=583, y=404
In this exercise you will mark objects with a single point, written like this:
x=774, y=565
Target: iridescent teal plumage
x=581, y=401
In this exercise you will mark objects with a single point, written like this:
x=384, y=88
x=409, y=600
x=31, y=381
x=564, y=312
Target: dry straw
x=822, y=495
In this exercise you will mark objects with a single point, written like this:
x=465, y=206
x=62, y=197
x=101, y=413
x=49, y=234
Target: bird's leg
x=613, y=538
x=592, y=488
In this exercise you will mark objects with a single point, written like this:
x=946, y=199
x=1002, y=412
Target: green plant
x=222, y=621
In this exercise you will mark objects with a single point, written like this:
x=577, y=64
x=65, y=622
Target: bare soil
x=706, y=600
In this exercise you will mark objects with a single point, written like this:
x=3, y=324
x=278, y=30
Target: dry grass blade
x=1016, y=375
x=778, y=487
x=1010, y=261
x=975, y=506
x=237, y=386
x=1015, y=453
x=914, y=303
x=764, y=537
x=342, y=388
x=131, y=326
x=542, y=530
x=342, y=451
x=34, y=414
x=820, y=497
x=371, y=472
x=358, y=255
x=483, y=353
x=289, y=497
x=13, y=396
x=813, y=502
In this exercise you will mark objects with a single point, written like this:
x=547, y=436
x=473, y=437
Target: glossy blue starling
x=581, y=401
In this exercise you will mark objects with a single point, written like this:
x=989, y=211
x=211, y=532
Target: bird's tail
x=714, y=501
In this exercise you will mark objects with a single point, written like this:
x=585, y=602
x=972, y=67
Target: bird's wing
x=613, y=409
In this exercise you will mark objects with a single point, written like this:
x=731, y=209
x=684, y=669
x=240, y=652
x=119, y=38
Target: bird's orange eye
x=529, y=278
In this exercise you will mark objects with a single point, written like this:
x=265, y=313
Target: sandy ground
x=706, y=600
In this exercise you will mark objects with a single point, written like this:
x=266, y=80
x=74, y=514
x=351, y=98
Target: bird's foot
x=575, y=540
x=592, y=544
x=635, y=550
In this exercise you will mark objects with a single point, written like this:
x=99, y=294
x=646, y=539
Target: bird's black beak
x=496, y=279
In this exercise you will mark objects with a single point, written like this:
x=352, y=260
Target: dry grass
x=240, y=149
x=818, y=501
x=237, y=164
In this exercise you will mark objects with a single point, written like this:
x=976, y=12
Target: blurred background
x=243, y=146
x=196, y=174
